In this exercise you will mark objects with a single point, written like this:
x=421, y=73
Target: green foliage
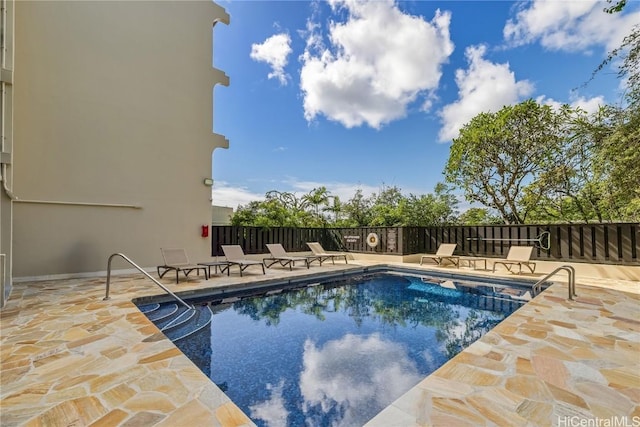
x=357, y=211
x=387, y=208
x=319, y=208
x=550, y=166
x=498, y=156
x=439, y=208
x=618, y=157
x=617, y=6
x=478, y=216
x=570, y=185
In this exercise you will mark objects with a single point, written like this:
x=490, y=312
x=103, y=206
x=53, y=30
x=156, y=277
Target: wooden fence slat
x=589, y=247
x=600, y=244
x=626, y=236
x=613, y=239
x=562, y=242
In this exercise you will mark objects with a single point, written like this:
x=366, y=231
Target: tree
x=439, y=208
x=571, y=186
x=618, y=157
x=357, y=210
x=316, y=198
x=478, y=216
x=279, y=209
x=619, y=152
x=498, y=155
x=336, y=208
x=388, y=208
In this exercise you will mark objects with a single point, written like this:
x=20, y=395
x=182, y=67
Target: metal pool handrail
x=543, y=240
x=123, y=256
x=537, y=287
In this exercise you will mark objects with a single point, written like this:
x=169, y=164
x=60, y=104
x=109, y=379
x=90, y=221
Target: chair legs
x=186, y=271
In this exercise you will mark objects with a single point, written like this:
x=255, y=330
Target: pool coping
x=49, y=345
x=348, y=271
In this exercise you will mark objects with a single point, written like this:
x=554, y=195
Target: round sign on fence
x=372, y=240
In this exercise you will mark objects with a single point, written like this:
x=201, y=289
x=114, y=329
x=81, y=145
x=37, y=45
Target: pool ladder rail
x=164, y=288
x=537, y=287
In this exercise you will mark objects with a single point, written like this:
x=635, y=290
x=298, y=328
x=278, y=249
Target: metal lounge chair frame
x=280, y=256
x=175, y=259
x=235, y=256
x=321, y=255
x=444, y=253
x=517, y=255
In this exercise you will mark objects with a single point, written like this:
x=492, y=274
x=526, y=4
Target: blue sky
x=359, y=94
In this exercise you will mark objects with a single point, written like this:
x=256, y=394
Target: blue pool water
x=335, y=354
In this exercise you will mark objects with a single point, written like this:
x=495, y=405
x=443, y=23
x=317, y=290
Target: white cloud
x=483, y=87
x=355, y=372
x=271, y=411
x=379, y=61
x=274, y=51
x=590, y=105
x=224, y=194
x=568, y=25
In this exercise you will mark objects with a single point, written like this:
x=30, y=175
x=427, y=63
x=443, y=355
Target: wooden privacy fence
x=593, y=243
x=254, y=239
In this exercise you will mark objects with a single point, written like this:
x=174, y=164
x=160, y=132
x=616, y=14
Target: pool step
x=148, y=308
x=163, y=312
x=175, y=316
x=200, y=319
x=178, y=322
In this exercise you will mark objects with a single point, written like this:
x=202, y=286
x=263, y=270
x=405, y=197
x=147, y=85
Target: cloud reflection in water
x=272, y=411
x=354, y=375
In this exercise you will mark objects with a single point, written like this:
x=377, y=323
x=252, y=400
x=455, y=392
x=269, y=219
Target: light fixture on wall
x=208, y=182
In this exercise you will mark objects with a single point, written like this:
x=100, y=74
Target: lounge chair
x=517, y=255
x=279, y=255
x=176, y=259
x=321, y=255
x=444, y=253
x=235, y=256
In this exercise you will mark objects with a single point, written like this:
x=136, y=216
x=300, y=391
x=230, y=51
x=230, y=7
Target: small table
x=223, y=265
x=472, y=262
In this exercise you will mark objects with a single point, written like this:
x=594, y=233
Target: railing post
x=143, y=272
x=571, y=282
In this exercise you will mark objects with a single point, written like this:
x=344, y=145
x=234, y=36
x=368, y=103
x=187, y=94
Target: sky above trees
x=360, y=95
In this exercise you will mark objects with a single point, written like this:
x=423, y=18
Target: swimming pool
x=337, y=351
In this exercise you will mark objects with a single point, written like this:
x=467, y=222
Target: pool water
x=336, y=354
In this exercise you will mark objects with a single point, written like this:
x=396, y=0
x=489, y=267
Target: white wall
x=112, y=106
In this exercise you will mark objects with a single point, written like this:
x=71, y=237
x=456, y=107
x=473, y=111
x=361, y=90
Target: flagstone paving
x=68, y=358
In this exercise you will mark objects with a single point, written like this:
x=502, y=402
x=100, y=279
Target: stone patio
x=68, y=358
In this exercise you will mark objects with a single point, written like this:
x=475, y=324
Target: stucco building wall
x=113, y=132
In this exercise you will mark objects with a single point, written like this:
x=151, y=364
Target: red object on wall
x=205, y=231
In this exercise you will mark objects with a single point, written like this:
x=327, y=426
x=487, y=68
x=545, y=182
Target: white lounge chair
x=235, y=256
x=280, y=255
x=176, y=259
x=321, y=255
x=444, y=253
x=517, y=255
